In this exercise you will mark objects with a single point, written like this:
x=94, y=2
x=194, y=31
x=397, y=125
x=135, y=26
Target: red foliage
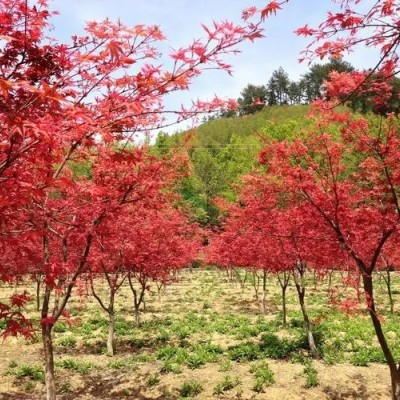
x=68, y=115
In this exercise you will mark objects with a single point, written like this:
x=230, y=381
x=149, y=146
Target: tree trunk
x=49, y=362
x=137, y=315
x=388, y=281
x=301, y=291
x=307, y=324
x=256, y=284
x=330, y=280
x=395, y=379
x=315, y=279
x=111, y=334
x=38, y=283
x=284, y=311
x=284, y=284
x=239, y=279
x=394, y=369
x=264, y=295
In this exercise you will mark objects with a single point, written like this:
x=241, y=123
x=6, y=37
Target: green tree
x=278, y=87
x=252, y=99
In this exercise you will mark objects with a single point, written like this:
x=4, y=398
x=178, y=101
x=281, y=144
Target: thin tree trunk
x=389, y=290
x=239, y=279
x=137, y=300
x=264, y=294
x=46, y=332
x=256, y=283
x=330, y=280
x=114, y=286
x=49, y=362
x=315, y=280
x=388, y=282
x=47, y=326
x=137, y=316
x=284, y=284
x=310, y=336
x=284, y=311
x=38, y=283
x=301, y=291
x=111, y=334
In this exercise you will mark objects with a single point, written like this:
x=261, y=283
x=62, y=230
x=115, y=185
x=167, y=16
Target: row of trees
x=280, y=90
x=326, y=201
x=330, y=198
x=77, y=197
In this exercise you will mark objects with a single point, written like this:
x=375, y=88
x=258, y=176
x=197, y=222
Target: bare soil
x=202, y=291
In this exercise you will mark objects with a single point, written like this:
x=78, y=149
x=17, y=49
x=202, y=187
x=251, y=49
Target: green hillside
x=223, y=149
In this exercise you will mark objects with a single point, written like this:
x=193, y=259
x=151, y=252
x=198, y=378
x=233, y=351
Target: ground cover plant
x=231, y=349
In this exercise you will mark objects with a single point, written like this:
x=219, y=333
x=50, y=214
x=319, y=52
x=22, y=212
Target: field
x=204, y=337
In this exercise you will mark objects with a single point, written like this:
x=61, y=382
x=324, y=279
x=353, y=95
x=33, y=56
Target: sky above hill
x=180, y=21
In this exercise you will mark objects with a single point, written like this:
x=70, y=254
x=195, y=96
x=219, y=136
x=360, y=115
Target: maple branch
x=71, y=285
x=97, y=297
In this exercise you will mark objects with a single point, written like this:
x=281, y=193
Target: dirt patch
x=136, y=371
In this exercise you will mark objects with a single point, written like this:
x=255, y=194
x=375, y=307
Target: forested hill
x=223, y=149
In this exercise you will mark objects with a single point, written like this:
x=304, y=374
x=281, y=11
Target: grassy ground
x=204, y=338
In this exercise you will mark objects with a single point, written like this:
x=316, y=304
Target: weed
x=123, y=327
x=195, y=361
x=225, y=365
x=60, y=327
x=68, y=341
x=153, y=380
x=190, y=388
x=30, y=386
x=143, y=358
x=206, y=305
x=65, y=388
x=360, y=359
x=164, y=336
x=263, y=374
x=311, y=376
x=182, y=333
x=33, y=372
x=277, y=348
x=137, y=343
x=169, y=366
x=78, y=366
x=226, y=384
x=247, y=351
x=174, y=354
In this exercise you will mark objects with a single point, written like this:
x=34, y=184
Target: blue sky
x=180, y=21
